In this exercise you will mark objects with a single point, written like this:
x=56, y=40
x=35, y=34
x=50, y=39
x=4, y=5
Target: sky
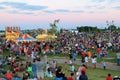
x=33, y=14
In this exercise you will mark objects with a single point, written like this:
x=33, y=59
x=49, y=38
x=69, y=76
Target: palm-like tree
x=54, y=26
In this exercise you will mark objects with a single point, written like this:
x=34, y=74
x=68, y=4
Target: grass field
x=111, y=54
x=93, y=74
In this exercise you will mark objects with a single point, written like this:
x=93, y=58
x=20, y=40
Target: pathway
x=110, y=66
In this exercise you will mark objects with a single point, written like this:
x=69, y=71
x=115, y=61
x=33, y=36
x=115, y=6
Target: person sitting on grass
x=83, y=76
x=109, y=77
x=29, y=70
x=48, y=73
x=15, y=76
x=59, y=74
x=71, y=76
x=64, y=76
x=26, y=75
x=21, y=66
x=2, y=75
x=9, y=75
x=72, y=67
x=53, y=66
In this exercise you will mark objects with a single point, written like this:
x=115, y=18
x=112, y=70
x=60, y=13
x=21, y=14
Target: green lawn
x=59, y=55
x=93, y=74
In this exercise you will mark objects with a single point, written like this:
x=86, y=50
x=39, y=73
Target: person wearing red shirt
x=99, y=52
x=9, y=75
x=83, y=68
x=83, y=56
x=71, y=76
x=109, y=77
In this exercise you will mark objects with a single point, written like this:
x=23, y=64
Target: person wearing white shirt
x=94, y=62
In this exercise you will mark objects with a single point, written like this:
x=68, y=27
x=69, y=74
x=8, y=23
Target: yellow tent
x=11, y=35
x=45, y=37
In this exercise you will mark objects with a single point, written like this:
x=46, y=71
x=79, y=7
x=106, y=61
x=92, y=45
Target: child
x=109, y=77
x=94, y=62
x=104, y=65
x=71, y=76
x=48, y=73
x=47, y=66
x=86, y=60
x=65, y=61
x=72, y=67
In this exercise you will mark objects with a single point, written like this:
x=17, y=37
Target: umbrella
x=20, y=39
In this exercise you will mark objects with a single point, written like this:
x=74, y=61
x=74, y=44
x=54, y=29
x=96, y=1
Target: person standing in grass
x=39, y=69
x=109, y=77
x=78, y=73
x=86, y=60
x=99, y=52
x=34, y=69
x=83, y=68
x=71, y=57
x=104, y=64
x=89, y=54
x=83, y=56
x=74, y=56
x=94, y=62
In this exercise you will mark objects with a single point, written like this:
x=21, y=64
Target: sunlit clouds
x=72, y=13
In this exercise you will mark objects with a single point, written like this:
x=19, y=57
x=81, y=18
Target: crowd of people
x=67, y=43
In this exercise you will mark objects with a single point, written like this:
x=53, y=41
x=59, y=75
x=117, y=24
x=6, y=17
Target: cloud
x=78, y=11
x=1, y=8
x=17, y=12
x=109, y=1
x=48, y=11
x=117, y=7
x=89, y=6
x=98, y=1
x=23, y=6
x=94, y=6
x=113, y=1
x=62, y=10
x=91, y=12
x=101, y=7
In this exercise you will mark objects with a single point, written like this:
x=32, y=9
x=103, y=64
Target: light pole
x=109, y=24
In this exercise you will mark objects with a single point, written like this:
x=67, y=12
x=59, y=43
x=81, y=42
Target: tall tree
x=54, y=26
x=112, y=27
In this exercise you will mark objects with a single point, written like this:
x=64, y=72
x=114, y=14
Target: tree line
x=111, y=28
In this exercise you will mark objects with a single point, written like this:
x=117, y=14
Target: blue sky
x=30, y=14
